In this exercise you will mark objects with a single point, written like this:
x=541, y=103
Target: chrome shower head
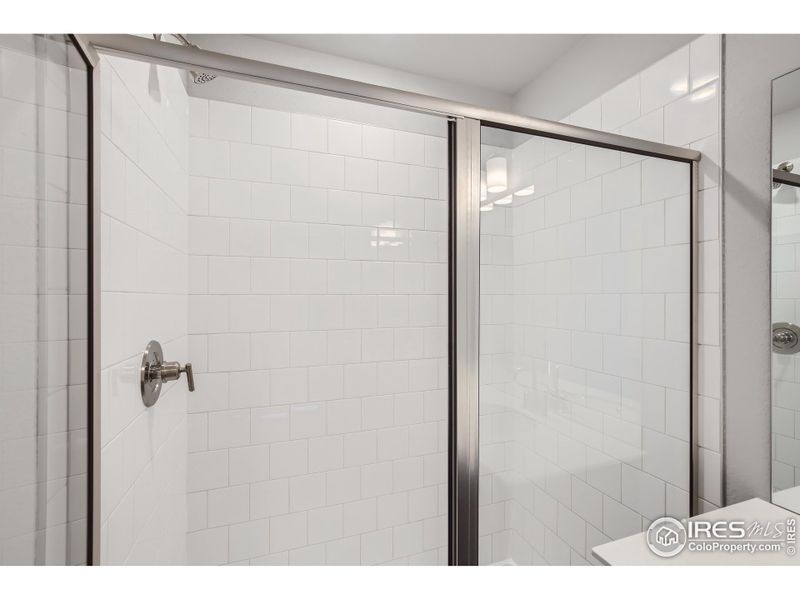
x=197, y=77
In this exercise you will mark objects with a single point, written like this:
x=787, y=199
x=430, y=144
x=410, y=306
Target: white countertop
x=633, y=550
x=788, y=499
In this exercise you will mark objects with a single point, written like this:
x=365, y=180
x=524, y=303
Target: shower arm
x=198, y=77
x=182, y=39
x=178, y=36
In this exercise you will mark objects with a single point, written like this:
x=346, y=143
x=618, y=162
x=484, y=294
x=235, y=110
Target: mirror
x=786, y=291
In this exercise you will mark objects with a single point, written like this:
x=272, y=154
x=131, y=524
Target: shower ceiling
x=503, y=63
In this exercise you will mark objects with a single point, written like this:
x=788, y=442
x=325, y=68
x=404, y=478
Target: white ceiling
x=502, y=63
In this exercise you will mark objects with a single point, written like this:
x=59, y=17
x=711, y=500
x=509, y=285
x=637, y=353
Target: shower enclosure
x=419, y=332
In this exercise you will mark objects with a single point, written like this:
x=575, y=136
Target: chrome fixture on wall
x=785, y=338
x=787, y=167
x=155, y=371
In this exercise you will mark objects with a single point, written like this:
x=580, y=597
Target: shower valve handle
x=187, y=368
x=155, y=371
x=171, y=371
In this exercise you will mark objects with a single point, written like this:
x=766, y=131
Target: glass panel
x=303, y=273
x=585, y=364
x=43, y=324
x=785, y=294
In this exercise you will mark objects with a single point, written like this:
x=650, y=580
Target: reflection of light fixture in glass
x=679, y=87
x=487, y=207
x=386, y=237
x=526, y=191
x=483, y=186
x=703, y=94
x=504, y=200
x=496, y=175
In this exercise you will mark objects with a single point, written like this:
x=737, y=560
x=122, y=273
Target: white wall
x=594, y=65
x=144, y=279
x=291, y=100
x=317, y=320
x=43, y=215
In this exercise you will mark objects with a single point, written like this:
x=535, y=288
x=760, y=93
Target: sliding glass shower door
x=43, y=301
x=325, y=248
x=584, y=347
x=293, y=248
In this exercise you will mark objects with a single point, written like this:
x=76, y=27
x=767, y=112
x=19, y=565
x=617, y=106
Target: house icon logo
x=666, y=537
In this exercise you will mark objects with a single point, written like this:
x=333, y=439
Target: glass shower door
x=43, y=308
x=325, y=245
x=584, y=347
x=306, y=283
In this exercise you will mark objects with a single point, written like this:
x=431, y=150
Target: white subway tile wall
x=318, y=332
x=43, y=216
x=585, y=324
x=144, y=284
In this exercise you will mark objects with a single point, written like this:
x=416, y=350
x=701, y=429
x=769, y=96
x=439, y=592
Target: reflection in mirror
x=786, y=291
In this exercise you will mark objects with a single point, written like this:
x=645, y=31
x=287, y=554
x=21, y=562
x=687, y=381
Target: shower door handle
x=155, y=371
